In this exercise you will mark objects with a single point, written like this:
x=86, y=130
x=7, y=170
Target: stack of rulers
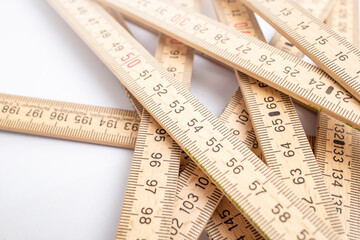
x=252, y=173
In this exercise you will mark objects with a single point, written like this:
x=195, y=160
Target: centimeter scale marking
x=190, y=217
x=78, y=122
x=150, y=192
x=228, y=222
x=318, y=8
x=275, y=119
x=280, y=135
x=234, y=115
x=314, y=39
x=197, y=198
x=278, y=212
x=189, y=225
x=44, y=104
x=339, y=160
x=231, y=109
x=194, y=177
x=193, y=225
x=337, y=153
x=240, y=51
x=119, y=18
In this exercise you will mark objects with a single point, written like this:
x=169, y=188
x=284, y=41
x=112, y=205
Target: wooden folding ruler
x=175, y=108
x=337, y=149
x=150, y=193
x=77, y=122
x=313, y=38
x=286, y=73
x=275, y=119
x=318, y=8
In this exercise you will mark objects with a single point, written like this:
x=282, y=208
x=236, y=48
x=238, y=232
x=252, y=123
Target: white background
x=56, y=189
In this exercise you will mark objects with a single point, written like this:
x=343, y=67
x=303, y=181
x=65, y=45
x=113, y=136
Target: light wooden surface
x=77, y=122
x=205, y=145
x=150, y=193
x=280, y=135
x=227, y=45
x=337, y=144
x=314, y=39
x=318, y=8
x=190, y=185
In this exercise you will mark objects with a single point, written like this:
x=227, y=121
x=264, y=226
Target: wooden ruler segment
x=286, y=149
x=119, y=18
x=77, y=122
x=314, y=39
x=226, y=12
x=234, y=114
x=339, y=159
x=236, y=117
x=189, y=224
x=150, y=193
x=240, y=16
x=197, y=198
x=129, y=120
x=276, y=210
x=318, y=8
x=131, y=116
x=71, y=121
x=279, y=132
x=337, y=146
x=228, y=222
x=288, y=74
